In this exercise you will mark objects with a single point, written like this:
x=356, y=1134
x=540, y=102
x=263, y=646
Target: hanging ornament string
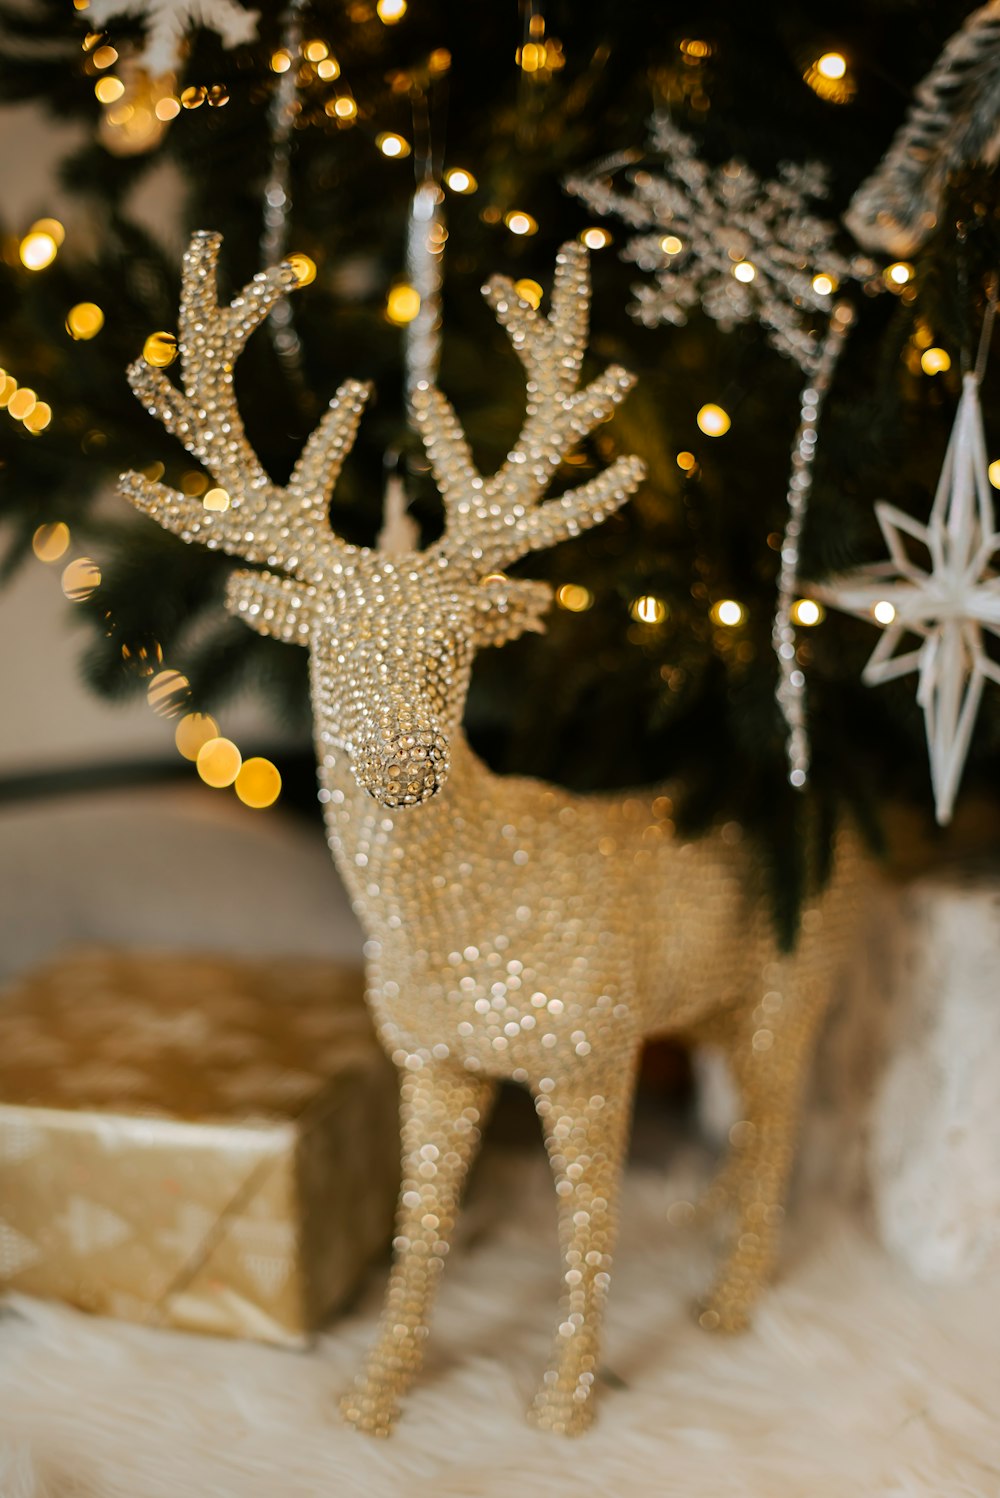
x=791, y=687
x=277, y=193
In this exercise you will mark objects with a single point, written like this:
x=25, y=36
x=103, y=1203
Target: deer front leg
x=442, y=1112
x=586, y=1122
x=771, y=1053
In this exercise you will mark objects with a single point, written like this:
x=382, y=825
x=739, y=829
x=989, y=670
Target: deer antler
x=498, y=519
x=285, y=527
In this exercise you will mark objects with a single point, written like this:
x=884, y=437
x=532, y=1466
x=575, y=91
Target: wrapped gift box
x=194, y=1142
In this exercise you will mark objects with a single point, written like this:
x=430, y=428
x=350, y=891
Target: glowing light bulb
x=713, y=420
x=167, y=693
x=935, y=361
x=167, y=109
x=391, y=144
x=648, y=610
x=80, y=579
x=84, y=321
x=529, y=291
x=38, y=417
x=193, y=731
x=329, y=69
x=160, y=350
x=574, y=598
x=304, y=268
x=898, y=274
x=728, y=612
x=109, y=89
x=671, y=245
x=50, y=542
x=218, y=762
x=884, y=612
x=402, y=304
x=994, y=473
x=744, y=271
x=104, y=57
x=216, y=499
x=520, y=223
x=595, y=238
x=37, y=249
x=343, y=106
x=808, y=612
x=832, y=65
x=686, y=461
x=258, y=784
x=460, y=180
x=390, y=11
x=824, y=285
x=315, y=51
x=22, y=403
x=281, y=61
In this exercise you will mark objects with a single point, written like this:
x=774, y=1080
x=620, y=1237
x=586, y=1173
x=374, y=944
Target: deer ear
x=275, y=606
x=507, y=607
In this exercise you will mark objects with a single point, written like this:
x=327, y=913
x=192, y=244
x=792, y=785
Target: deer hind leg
x=586, y=1124
x=442, y=1113
x=771, y=1049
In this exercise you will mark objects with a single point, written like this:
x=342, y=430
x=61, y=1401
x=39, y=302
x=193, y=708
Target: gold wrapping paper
x=194, y=1142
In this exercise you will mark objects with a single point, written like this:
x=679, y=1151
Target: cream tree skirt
x=857, y=1380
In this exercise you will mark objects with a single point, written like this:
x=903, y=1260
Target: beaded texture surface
x=514, y=930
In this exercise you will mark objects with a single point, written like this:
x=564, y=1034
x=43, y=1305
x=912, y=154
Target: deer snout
x=404, y=769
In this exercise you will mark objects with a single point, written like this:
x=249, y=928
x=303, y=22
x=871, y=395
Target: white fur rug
x=856, y=1381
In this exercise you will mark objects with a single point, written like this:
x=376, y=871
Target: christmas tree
x=340, y=134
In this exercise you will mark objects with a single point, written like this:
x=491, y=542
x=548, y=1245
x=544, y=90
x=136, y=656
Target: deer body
x=514, y=930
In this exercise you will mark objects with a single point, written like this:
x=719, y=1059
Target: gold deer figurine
x=514, y=930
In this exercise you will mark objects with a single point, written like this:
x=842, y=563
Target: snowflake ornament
x=168, y=24
x=947, y=607
x=721, y=238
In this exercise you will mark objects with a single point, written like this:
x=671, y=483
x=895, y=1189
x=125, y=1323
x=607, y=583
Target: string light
x=829, y=79
x=167, y=693
x=303, y=268
x=671, y=245
x=595, y=238
x=50, y=542
x=329, y=69
x=648, y=610
x=219, y=762
x=460, y=180
x=194, y=97
x=391, y=144
x=728, y=612
x=744, y=271
x=22, y=403
x=84, y=321
x=216, y=500
x=315, y=51
x=574, y=598
x=898, y=274
x=808, y=612
x=194, y=731
x=167, y=108
x=160, y=350
x=402, y=304
x=686, y=461
x=41, y=244
x=993, y=472
x=713, y=420
x=521, y=223
x=80, y=579
x=109, y=89
x=104, y=57
x=935, y=361
x=883, y=611
x=258, y=783
x=529, y=291
x=281, y=61
x=343, y=107
x=391, y=11
x=824, y=285
x=38, y=417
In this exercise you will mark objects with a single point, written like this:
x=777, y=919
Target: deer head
x=392, y=637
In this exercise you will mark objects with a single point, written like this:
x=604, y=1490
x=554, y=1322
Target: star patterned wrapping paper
x=194, y=1142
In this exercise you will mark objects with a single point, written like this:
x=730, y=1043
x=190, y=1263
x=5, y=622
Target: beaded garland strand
x=514, y=930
